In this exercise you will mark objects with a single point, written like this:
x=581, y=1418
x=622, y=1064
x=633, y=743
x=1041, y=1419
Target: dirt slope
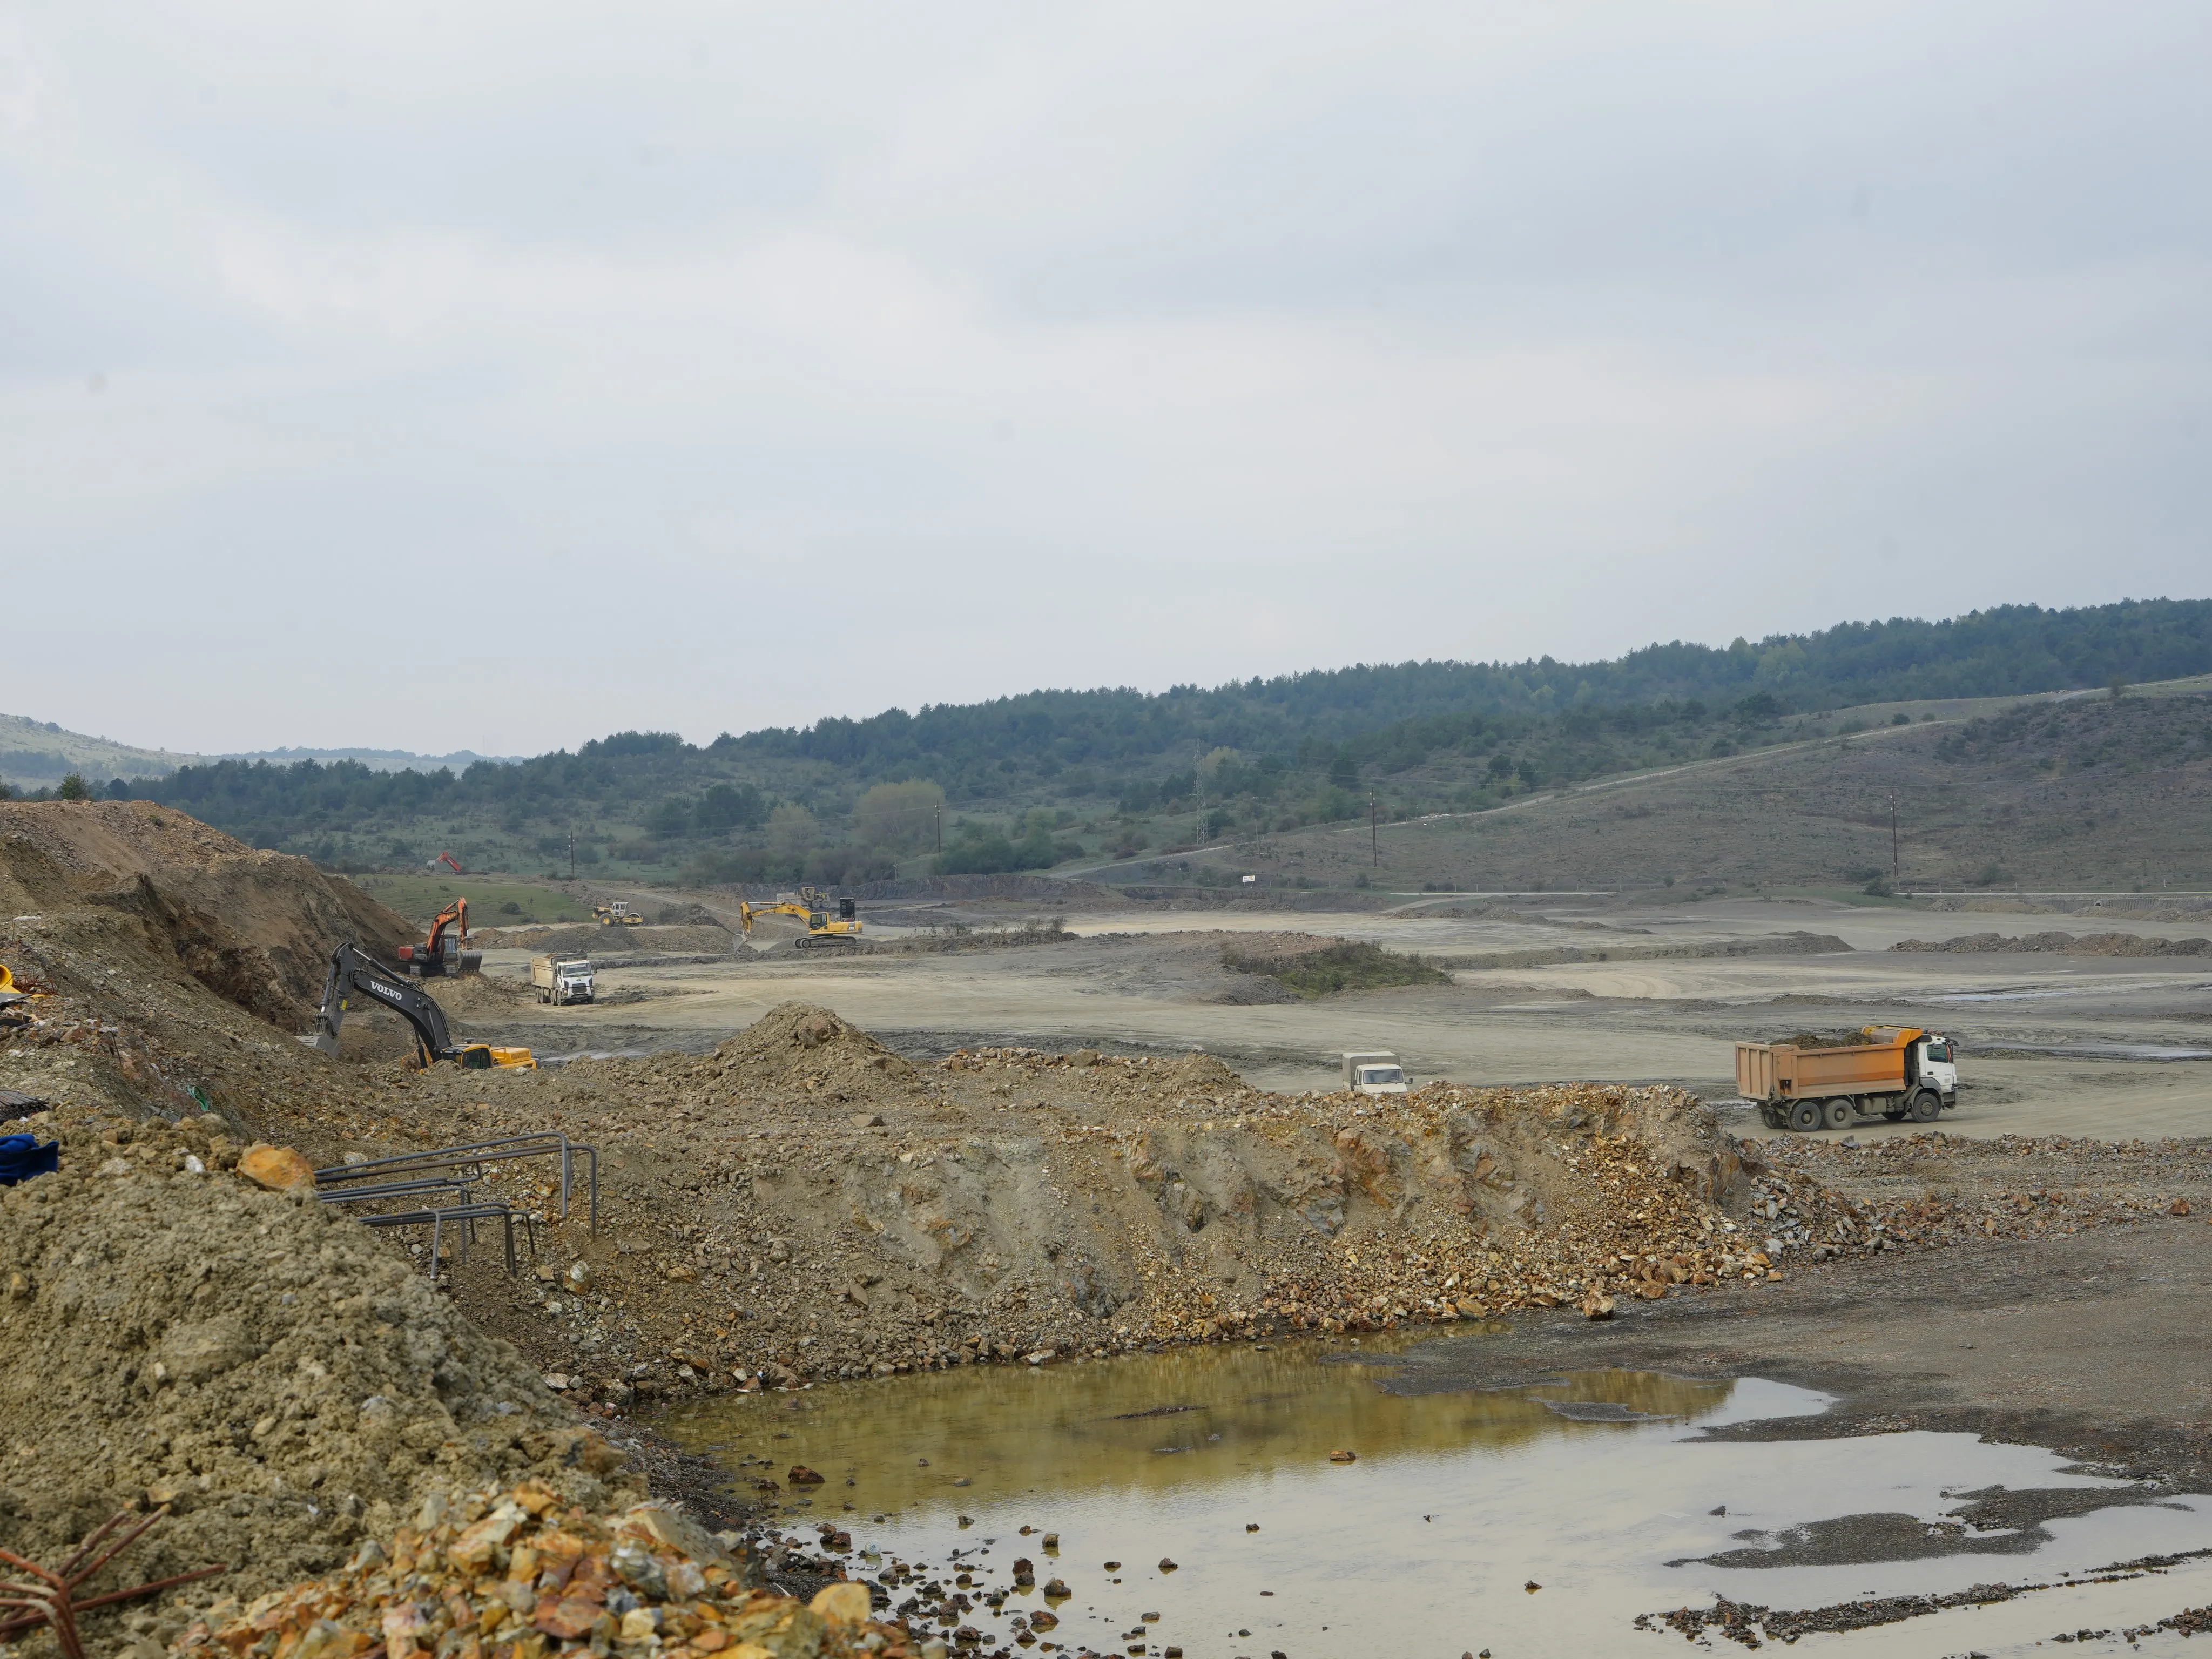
x=54, y=852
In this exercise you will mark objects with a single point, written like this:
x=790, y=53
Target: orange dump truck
x=1900, y=1070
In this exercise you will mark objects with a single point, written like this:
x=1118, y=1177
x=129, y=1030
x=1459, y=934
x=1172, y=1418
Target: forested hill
x=1054, y=775
x=2004, y=651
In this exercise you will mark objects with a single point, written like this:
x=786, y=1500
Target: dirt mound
x=57, y=853
x=1799, y=943
x=800, y=1203
x=261, y=1362
x=519, y=1567
x=2088, y=944
x=798, y=1042
x=1199, y=1072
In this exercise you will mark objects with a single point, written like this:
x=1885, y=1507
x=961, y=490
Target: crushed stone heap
x=803, y=1202
x=262, y=1364
x=524, y=1574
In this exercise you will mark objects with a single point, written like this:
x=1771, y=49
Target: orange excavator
x=447, y=952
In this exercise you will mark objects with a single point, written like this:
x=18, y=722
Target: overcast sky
x=495, y=376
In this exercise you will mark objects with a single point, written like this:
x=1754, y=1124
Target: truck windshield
x=1382, y=1074
x=1939, y=1053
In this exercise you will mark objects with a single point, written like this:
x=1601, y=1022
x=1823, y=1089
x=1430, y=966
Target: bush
x=989, y=853
x=1345, y=966
x=74, y=787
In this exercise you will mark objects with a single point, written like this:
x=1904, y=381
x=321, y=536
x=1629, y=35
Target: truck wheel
x=1838, y=1114
x=1805, y=1117
x=1927, y=1106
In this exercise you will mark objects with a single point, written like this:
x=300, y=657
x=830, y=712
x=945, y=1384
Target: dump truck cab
x=1930, y=1061
x=561, y=979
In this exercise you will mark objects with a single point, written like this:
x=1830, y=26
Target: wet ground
x=1197, y=1501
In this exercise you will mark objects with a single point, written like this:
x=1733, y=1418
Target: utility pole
x=1895, y=871
x=1375, y=829
x=572, y=852
x=937, y=823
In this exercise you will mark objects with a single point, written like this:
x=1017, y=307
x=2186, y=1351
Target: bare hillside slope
x=2099, y=793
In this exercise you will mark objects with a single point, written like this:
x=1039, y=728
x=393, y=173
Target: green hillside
x=1049, y=777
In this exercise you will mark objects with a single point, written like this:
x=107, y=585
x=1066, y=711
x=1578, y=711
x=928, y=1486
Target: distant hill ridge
x=2008, y=651
x=40, y=754
x=1049, y=777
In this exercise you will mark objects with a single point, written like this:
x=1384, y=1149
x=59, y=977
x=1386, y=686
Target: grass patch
x=1344, y=966
x=421, y=897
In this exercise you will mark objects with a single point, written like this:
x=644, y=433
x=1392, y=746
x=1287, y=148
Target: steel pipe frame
x=468, y=1213
x=541, y=1144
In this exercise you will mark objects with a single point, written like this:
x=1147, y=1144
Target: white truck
x=561, y=979
x=1373, y=1071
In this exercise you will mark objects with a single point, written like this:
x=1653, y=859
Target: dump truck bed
x=1769, y=1071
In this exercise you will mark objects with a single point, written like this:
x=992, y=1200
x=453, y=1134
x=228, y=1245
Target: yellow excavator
x=810, y=906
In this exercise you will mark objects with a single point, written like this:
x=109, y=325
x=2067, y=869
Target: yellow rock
x=842, y=1604
x=280, y=1169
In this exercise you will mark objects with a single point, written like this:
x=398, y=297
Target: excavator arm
x=454, y=915
x=813, y=910
x=355, y=972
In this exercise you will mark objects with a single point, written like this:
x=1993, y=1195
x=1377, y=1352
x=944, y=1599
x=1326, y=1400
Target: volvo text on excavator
x=811, y=906
x=353, y=972
x=447, y=952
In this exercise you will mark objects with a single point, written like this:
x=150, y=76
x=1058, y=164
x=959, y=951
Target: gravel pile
x=525, y=1573
x=1929, y=1190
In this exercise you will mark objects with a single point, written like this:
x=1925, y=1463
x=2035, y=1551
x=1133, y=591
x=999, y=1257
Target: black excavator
x=353, y=971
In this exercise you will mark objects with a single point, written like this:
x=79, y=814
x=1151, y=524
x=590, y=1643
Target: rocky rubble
x=522, y=1573
x=177, y=1335
x=803, y=1202
x=1925, y=1191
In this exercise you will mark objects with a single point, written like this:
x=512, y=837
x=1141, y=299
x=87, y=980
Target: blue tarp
x=22, y=1157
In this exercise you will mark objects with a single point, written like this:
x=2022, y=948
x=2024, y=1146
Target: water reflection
x=1198, y=1509
x=1147, y=1423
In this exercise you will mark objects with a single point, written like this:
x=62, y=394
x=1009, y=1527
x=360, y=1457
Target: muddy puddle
x=1197, y=1507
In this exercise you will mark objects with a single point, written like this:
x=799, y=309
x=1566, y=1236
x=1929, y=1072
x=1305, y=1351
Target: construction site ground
x=2076, y=1043
x=815, y=1169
